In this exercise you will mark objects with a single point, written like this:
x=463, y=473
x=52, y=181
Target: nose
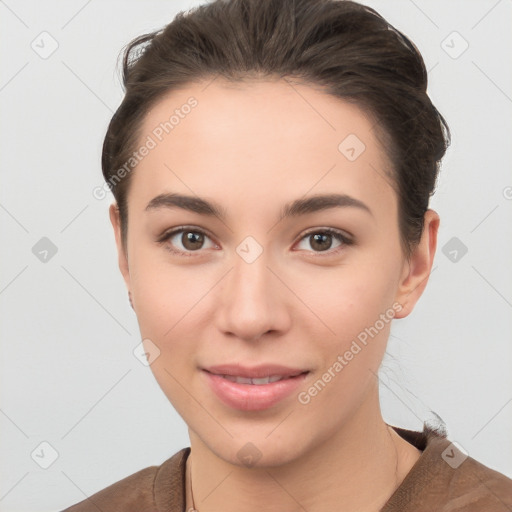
x=253, y=301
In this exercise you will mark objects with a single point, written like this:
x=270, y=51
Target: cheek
x=167, y=306
x=358, y=309
x=357, y=306
x=165, y=293
x=351, y=298
x=170, y=306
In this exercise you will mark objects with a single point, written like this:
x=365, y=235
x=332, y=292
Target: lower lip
x=252, y=397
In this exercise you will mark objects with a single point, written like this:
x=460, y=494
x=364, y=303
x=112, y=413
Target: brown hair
x=346, y=48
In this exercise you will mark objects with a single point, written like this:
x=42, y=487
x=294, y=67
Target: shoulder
x=135, y=490
x=445, y=478
x=139, y=491
x=472, y=486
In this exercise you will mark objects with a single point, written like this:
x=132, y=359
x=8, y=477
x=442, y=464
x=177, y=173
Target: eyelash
x=345, y=240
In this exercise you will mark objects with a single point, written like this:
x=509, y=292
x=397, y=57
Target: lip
x=253, y=397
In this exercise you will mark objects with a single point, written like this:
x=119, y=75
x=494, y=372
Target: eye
x=321, y=240
x=184, y=241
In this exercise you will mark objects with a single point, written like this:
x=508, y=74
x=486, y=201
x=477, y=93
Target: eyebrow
x=294, y=209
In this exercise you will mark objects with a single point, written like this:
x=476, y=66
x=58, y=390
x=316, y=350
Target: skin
x=251, y=148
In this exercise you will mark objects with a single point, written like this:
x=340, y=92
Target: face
x=268, y=272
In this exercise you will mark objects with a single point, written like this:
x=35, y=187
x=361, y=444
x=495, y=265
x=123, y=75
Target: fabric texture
x=443, y=479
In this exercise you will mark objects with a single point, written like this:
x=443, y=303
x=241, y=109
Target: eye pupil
x=192, y=240
x=319, y=238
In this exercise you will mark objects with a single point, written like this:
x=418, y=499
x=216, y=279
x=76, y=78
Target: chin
x=258, y=450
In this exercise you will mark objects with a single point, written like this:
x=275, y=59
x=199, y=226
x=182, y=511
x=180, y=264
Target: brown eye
x=322, y=240
x=192, y=240
x=184, y=241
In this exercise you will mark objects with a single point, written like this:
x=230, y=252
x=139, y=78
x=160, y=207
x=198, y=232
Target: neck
x=358, y=468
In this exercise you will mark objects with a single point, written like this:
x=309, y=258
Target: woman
x=272, y=163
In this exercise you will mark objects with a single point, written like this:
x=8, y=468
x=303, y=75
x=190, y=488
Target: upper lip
x=254, y=372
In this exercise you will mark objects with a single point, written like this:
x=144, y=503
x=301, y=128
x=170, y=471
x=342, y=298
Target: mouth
x=253, y=389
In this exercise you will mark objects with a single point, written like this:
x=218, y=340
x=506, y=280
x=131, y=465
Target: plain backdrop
x=73, y=396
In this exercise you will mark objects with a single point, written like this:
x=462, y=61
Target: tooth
x=257, y=381
x=243, y=380
x=263, y=380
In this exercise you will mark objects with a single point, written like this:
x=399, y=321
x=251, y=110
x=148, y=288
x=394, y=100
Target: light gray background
x=68, y=374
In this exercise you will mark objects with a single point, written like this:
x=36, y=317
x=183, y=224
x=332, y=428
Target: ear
x=122, y=257
x=417, y=269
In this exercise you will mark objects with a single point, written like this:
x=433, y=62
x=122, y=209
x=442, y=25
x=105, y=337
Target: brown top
x=442, y=479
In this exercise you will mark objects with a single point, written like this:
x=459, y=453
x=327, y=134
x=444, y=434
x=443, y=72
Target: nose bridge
x=250, y=303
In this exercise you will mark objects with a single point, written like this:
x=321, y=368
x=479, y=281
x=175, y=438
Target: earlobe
x=122, y=257
x=418, y=268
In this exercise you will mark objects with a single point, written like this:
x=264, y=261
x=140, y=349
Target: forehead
x=273, y=110
x=256, y=136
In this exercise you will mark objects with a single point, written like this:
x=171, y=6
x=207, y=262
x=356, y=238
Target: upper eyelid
x=171, y=232
x=333, y=231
